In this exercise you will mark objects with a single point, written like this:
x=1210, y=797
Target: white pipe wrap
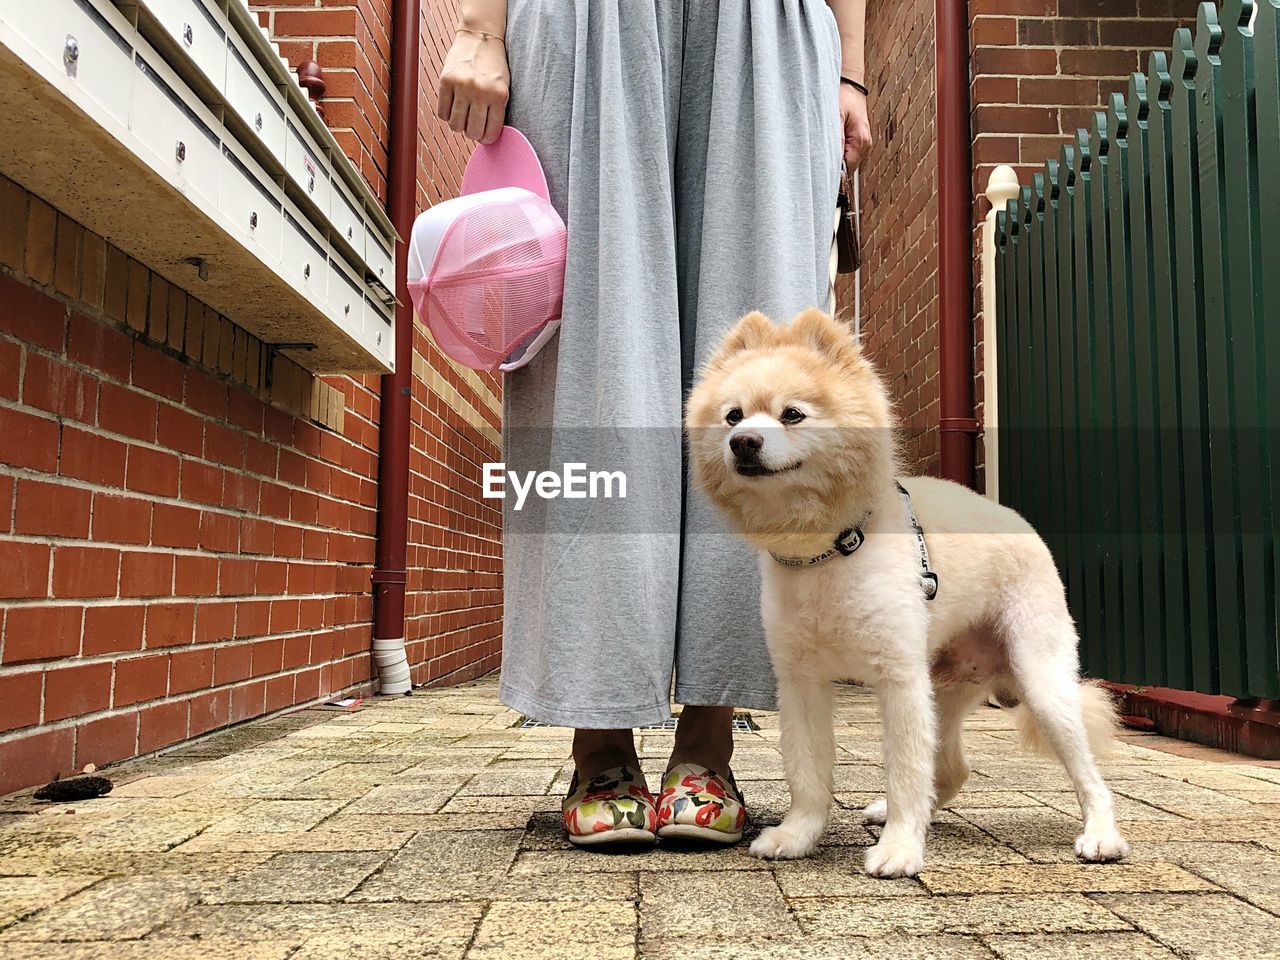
x=393, y=665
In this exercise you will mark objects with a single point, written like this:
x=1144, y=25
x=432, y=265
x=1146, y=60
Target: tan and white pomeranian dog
x=791, y=435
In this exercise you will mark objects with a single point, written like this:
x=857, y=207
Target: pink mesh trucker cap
x=486, y=269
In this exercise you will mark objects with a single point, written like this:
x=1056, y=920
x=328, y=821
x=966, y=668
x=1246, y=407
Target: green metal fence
x=1138, y=343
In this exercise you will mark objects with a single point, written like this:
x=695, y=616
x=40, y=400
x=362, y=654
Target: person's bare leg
x=595, y=751
x=704, y=735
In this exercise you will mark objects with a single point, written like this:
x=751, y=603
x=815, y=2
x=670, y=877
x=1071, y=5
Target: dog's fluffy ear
x=753, y=331
x=823, y=333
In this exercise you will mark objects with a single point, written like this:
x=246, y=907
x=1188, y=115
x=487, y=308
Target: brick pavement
x=427, y=826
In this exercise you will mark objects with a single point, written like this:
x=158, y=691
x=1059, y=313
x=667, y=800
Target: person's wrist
x=482, y=25
x=854, y=85
x=480, y=37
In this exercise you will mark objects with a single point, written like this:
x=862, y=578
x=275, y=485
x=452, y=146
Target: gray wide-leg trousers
x=693, y=148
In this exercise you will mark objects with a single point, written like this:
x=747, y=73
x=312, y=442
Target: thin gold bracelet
x=482, y=34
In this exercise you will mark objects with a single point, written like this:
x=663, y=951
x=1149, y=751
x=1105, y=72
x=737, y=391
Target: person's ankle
x=702, y=755
x=704, y=736
x=595, y=751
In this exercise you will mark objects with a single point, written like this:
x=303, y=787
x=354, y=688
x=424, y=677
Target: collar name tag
x=850, y=540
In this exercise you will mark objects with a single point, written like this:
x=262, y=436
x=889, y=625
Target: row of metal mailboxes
x=296, y=222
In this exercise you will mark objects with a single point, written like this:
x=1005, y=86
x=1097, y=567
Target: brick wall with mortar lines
x=454, y=606
x=352, y=46
x=899, y=213
x=352, y=43
x=1040, y=70
x=186, y=521
x=454, y=603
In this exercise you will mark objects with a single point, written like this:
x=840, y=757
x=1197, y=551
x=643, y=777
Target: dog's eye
x=733, y=416
x=792, y=415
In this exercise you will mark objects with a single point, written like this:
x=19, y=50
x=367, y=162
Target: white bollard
x=1002, y=186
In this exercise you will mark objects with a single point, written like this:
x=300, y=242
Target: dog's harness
x=928, y=579
x=851, y=538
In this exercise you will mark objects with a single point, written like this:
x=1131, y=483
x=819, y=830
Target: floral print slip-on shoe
x=698, y=803
x=612, y=807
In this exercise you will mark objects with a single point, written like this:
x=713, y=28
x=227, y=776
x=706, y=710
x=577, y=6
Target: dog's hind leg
x=808, y=754
x=951, y=770
x=1042, y=654
x=910, y=742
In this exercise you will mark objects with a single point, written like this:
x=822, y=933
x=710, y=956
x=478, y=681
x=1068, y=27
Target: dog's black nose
x=746, y=445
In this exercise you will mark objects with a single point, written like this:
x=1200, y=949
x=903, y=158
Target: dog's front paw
x=779, y=843
x=1097, y=846
x=894, y=858
x=877, y=811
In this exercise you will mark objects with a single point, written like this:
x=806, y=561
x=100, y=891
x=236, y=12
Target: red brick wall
x=455, y=579
x=352, y=44
x=455, y=535
x=899, y=211
x=183, y=546
x=1040, y=68
x=176, y=552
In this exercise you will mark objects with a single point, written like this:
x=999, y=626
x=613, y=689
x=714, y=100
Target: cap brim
x=510, y=161
x=526, y=351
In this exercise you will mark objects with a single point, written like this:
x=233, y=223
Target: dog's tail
x=1101, y=722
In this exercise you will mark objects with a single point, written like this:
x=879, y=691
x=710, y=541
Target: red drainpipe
x=957, y=425
x=390, y=570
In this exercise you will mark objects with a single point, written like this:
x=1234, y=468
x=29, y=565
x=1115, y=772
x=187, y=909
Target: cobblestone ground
x=427, y=826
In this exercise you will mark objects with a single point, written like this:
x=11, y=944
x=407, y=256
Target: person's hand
x=857, y=128
x=474, y=85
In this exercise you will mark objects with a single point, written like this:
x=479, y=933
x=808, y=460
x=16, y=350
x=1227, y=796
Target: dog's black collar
x=851, y=538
